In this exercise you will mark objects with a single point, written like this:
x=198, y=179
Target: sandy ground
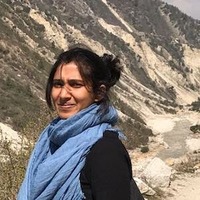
x=185, y=187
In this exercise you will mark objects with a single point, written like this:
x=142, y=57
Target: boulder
x=157, y=174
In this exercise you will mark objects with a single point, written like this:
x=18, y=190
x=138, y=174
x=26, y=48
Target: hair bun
x=113, y=65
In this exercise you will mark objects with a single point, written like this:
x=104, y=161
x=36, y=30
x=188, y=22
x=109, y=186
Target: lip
x=65, y=106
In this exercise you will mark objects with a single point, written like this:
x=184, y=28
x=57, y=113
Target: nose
x=65, y=93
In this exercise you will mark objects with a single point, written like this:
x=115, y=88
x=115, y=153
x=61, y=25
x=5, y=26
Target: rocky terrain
x=158, y=96
x=172, y=165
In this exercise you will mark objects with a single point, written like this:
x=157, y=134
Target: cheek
x=55, y=94
x=87, y=99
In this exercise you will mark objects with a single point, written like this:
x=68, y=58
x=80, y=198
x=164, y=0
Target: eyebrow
x=71, y=79
x=57, y=80
x=76, y=80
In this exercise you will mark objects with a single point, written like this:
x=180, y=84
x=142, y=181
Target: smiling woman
x=70, y=94
x=79, y=155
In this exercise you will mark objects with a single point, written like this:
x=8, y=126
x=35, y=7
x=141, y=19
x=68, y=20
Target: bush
x=13, y=163
x=195, y=128
x=137, y=133
x=196, y=105
x=12, y=167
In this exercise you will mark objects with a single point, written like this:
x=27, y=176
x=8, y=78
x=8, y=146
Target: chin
x=65, y=115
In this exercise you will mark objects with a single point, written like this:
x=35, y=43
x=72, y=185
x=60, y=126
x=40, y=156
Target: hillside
x=159, y=47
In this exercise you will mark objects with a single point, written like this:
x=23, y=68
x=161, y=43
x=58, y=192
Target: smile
x=65, y=107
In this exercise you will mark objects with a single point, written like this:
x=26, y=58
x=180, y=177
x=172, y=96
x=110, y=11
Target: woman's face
x=69, y=92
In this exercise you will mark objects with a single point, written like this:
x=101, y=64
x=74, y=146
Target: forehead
x=68, y=71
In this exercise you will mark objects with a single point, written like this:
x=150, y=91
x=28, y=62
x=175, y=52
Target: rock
x=144, y=188
x=197, y=166
x=193, y=144
x=11, y=136
x=157, y=174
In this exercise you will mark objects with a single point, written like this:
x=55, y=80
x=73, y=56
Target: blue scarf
x=59, y=155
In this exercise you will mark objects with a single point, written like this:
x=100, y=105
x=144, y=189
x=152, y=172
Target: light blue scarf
x=54, y=176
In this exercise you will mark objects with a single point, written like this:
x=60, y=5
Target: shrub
x=12, y=167
x=196, y=105
x=195, y=128
x=13, y=163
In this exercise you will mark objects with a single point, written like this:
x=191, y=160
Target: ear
x=101, y=93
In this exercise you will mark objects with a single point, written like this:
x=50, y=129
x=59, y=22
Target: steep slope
x=159, y=47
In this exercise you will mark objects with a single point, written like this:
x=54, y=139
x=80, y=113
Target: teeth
x=68, y=105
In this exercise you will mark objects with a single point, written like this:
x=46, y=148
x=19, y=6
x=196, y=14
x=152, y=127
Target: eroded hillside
x=158, y=45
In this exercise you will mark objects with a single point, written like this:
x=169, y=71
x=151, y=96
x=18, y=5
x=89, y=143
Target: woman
x=79, y=154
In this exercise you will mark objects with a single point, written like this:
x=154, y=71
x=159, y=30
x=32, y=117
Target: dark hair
x=94, y=70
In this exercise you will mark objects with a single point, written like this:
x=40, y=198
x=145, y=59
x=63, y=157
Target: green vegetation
x=137, y=133
x=195, y=106
x=195, y=128
x=13, y=162
x=17, y=103
x=12, y=166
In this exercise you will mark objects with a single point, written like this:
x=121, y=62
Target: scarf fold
x=59, y=155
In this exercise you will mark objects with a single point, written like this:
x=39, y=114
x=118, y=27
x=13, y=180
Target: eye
x=58, y=83
x=76, y=83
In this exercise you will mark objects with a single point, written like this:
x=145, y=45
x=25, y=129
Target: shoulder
x=109, y=150
x=107, y=168
x=109, y=142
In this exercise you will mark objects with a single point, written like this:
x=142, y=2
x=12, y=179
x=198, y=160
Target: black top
x=107, y=172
